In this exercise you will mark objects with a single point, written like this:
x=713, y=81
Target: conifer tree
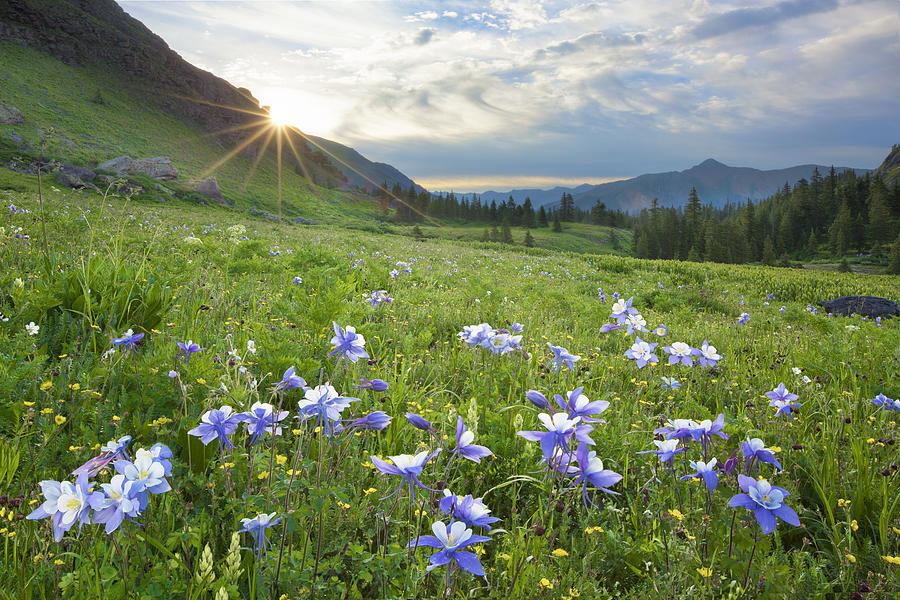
x=529, y=240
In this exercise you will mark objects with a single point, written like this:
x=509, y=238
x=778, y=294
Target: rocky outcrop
x=867, y=306
x=157, y=168
x=304, y=221
x=73, y=181
x=10, y=115
x=209, y=187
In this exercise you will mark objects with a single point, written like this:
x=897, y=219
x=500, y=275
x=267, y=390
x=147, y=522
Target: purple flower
x=257, y=528
x=374, y=421
x=666, y=451
x=538, y=399
x=217, y=423
x=376, y=385
x=379, y=297
x=112, y=450
x=579, y=405
x=755, y=452
x=708, y=355
x=66, y=504
x=670, y=383
x=464, y=445
x=298, y=280
x=467, y=509
x=419, y=422
x=679, y=352
x=348, y=344
x=607, y=327
x=707, y=472
x=560, y=428
x=516, y=328
x=590, y=470
x=642, y=353
x=324, y=405
x=407, y=466
x=289, y=381
x=766, y=501
x=187, y=348
x=661, y=331
x=622, y=308
x=262, y=419
x=476, y=335
x=449, y=540
x=742, y=320
x=886, y=403
x=783, y=400
x=128, y=340
x=561, y=357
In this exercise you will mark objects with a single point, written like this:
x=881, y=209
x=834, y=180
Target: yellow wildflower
x=704, y=572
x=59, y=419
x=74, y=387
x=27, y=403
x=851, y=558
x=369, y=491
x=843, y=503
x=46, y=386
x=263, y=475
x=559, y=553
x=854, y=525
x=893, y=560
x=280, y=459
x=546, y=584
x=674, y=512
x=46, y=411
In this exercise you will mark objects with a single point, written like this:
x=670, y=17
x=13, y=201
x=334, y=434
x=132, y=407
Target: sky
x=505, y=94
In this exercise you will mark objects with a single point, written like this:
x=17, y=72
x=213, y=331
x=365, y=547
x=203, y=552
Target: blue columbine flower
x=469, y=510
x=634, y=323
x=324, y=405
x=607, y=327
x=476, y=335
x=407, y=466
x=419, y=422
x=289, y=381
x=742, y=320
x=188, y=348
x=464, y=445
x=707, y=472
x=376, y=385
x=148, y=475
x=666, y=451
x=217, y=423
x=590, y=470
x=783, y=400
x=661, y=331
x=755, y=452
x=67, y=504
x=121, y=500
x=297, y=280
x=450, y=539
x=579, y=405
x=538, y=399
x=379, y=297
x=886, y=403
x=708, y=355
x=257, y=527
x=641, y=353
x=348, y=344
x=112, y=450
x=374, y=421
x=163, y=455
x=679, y=352
x=560, y=428
x=622, y=308
x=128, y=340
x=670, y=383
x=561, y=357
x=766, y=501
x=261, y=419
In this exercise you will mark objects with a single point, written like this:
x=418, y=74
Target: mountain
x=100, y=35
x=358, y=170
x=716, y=184
x=538, y=197
x=889, y=169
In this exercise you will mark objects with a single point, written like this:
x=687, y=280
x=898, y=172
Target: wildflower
x=607, y=327
x=376, y=385
x=188, y=348
x=559, y=429
x=676, y=514
x=635, y=322
x=450, y=539
x=766, y=501
x=289, y=381
x=561, y=356
x=251, y=347
x=407, y=466
x=642, y=353
x=261, y=419
x=374, y=421
x=538, y=399
x=257, y=527
x=742, y=320
x=707, y=472
x=886, y=403
x=755, y=452
x=379, y=297
x=217, y=423
x=679, y=352
x=666, y=450
x=163, y=455
x=464, y=445
x=621, y=309
x=67, y=504
x=590, y=470
x=59, y=419
x=348, y=344
x=32, y=329
x=419, y=422
x=559, y=553
x=670, y=383
x=297, y=280
x=708, y=355
x=147, y=473
x=323, y=403
x=892, y=560
x=172, y=374
x=128, y=340
x=471, y=511
x=579, y=405
x=120, y=501
x=704, y=572
x=661, y=331
x=781, y=399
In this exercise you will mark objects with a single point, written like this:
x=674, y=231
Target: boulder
x=867, y=306
x=10, y=115
x=304, y=221
x=73, y=181
x=209, y=187
x=159, y=167
x=255, y=212
x=73, y=170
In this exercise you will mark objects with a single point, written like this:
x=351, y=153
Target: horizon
x=504, y=94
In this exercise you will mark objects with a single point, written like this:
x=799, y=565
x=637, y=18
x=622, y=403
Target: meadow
x=192, y=330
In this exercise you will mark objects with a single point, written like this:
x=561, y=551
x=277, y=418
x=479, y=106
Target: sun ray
x=231, y=154
x=302, y=166
x=256, y=161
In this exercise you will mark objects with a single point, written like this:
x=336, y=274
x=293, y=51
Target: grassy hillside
x=177, y=272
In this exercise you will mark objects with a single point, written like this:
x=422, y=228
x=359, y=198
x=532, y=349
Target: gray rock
x=73, y=181
x=209, y=187
x=76, y=171
x=159, y=167
x=10, y=115
x=119, y=185
x=304, y=221
x=255, y=212
x=867, y=306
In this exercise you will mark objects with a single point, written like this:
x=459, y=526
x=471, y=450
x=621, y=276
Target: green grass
x=339, y=538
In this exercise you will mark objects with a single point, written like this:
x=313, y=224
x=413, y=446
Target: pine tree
x=528, y=218
x=487, y=235
x=529, y=240
x=506, y=233
x=495, y=233
x=894, y=266
x=542, y=217
x=557, y=226
x=768, y=253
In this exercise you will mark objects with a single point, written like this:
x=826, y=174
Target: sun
x=280, y=116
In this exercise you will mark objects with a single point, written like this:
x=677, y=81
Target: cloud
x=722, y=23
x=424, y=36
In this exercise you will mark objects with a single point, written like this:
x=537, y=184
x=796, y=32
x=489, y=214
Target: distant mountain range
x=358, y=170
x=716, y=184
